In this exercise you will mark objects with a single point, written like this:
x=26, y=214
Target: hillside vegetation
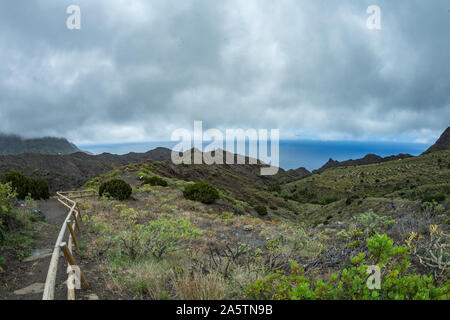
x=71, y=171
x=417, y=178
x=313, y=238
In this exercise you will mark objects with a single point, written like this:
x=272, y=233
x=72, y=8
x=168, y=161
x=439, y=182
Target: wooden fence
x=72, y=224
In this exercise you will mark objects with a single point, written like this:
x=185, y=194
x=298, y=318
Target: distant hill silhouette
x=14, y=145
x=368, y=159
x=64, y=172
x=442, y=143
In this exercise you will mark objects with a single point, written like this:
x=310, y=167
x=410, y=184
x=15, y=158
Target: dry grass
x=200, y=287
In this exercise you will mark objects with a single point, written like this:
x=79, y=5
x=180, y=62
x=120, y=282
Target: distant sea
x=293, y=153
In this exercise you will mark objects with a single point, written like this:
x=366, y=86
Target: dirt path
x=24, y=280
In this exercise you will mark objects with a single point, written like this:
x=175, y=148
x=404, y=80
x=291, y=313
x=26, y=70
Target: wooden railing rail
x=74, y=216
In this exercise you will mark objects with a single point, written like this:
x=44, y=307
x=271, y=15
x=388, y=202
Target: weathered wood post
x=72, y=233
x=79, y=210
x=76, y=221
x=71, y=262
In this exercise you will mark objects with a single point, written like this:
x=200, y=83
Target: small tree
x=118, y=189
x=155, y=181
x=201, y=191
x=24, y=186
x=261, y=210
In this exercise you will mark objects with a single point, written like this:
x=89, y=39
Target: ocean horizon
x=311, y=154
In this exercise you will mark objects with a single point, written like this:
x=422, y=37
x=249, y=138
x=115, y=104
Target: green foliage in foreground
x=24, y=186
x=201, y=191
x=118, y=189
x=351, y=283
x=15, y=225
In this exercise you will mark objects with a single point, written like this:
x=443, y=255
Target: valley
x=263, y=237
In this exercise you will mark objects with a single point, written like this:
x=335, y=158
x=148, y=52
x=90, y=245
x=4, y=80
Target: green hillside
x=417, y=178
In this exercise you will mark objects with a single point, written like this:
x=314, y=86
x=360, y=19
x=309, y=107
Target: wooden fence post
x=79, y=210
x=71, y=261
x=71, y=288
x=76, y=221
x=72, y=233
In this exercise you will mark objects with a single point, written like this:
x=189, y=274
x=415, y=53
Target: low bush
x=432, y=209
x=117, y=189
x=201, y=191
x=24, y=186
x=155, y=181
x=397, y=282
x=275, y=187
x=158, y=237
x=15, y=226
x=434, y=198
x=261, y=210
x=330, y=198
x=239, y=209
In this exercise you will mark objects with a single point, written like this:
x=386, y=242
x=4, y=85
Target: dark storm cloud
x=139, y=69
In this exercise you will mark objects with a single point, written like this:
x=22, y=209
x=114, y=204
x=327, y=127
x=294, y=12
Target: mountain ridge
x=68, y=171
x=367, y=159
x=11, y=144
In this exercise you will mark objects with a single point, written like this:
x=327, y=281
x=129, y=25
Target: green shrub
x=239, y=209
x=117, y=189
x=40, y=189
x=330, y=198
x=24, y=186
x=7, y=212
x=201, y=191
x=261, y=210
x=432, y=209
x=275, y=187
x=227, y=215
x=155, y=181
x=434, y=198
x=2, y=231
x=15, y=227
x=350, y=199
x=372, y=222
x=351, y=283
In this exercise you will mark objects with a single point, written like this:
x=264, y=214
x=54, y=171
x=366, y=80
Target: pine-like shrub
x=24, y=186
x=201, y=191
x=117, y=189
x=155, y=181
x=261, y=210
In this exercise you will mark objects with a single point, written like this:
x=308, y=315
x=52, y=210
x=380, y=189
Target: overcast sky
x=137, y=70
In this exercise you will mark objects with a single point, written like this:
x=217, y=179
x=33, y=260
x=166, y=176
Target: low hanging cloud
x=137, y=70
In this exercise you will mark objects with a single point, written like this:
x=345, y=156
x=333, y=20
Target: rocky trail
x=24, y=280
